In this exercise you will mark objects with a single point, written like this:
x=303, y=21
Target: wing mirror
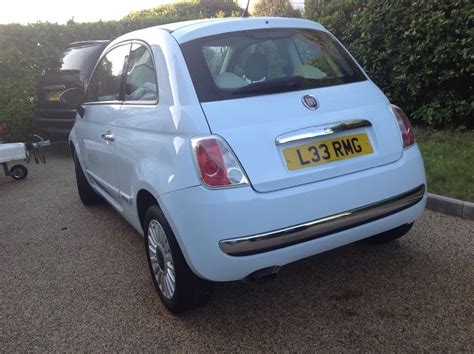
x=73, y=97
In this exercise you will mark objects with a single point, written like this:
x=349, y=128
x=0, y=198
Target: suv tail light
x=216, y=163
x=406, y=130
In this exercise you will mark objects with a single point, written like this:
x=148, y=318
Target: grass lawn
x=449, y=162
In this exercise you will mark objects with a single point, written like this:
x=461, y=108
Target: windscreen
x=249, y=63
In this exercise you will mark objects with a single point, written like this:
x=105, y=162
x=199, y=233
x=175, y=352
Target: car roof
x=174, y=26
x=189, y=30
x=87, y=43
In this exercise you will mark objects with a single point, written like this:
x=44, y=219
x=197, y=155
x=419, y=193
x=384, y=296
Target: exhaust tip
x=264, y=275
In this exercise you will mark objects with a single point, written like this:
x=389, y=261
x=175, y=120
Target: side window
x=107, y=78
x=141, y=76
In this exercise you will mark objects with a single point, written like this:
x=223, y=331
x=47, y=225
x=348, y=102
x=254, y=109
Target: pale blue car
x=236, y=146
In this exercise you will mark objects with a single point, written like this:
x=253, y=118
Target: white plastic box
x=12, y=152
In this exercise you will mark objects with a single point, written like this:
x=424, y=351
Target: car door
x=138, y=117
x=97, y=128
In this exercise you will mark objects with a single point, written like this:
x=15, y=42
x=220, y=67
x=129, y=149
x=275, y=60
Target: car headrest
x=256, y=67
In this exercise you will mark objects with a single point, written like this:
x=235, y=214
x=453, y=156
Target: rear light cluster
x=406, y=130
x=216, y=163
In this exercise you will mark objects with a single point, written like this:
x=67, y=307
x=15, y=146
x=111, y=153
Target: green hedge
x=27, y=50
x=420, y=52
x=276, y=8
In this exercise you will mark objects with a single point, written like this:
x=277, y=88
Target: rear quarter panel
x=153, y=141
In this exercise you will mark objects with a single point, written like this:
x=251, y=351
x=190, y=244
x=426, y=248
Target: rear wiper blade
x=276, y=85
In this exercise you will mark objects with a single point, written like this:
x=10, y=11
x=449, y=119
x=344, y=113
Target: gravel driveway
x=75, y=278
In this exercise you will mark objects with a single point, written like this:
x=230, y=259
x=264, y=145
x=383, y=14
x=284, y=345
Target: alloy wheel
x=161, y=259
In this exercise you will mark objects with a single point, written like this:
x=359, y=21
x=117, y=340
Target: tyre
x=178, y=287
x=86, y=193
x=18, y=172
x=390, y=235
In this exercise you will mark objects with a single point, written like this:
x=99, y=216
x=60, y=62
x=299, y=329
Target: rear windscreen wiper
x=276, y=85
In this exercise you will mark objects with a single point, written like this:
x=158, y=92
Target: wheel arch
x=72, y=149
x=145, y=199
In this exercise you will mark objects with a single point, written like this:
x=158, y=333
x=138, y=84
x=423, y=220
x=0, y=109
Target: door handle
x=108, y=136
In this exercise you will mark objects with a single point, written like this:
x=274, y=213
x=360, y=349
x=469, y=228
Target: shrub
x=279, y=8
x=419, y=52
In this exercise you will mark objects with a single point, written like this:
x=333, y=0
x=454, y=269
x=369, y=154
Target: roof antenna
x=246, y=11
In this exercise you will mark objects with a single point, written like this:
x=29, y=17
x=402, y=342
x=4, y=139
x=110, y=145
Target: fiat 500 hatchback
x=236, y=146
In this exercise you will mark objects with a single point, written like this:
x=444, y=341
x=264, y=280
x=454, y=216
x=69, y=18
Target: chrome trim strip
x=314, y=132
x=244, y=246
x=104, y=186
x=125, y=197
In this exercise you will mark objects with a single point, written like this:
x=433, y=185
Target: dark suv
x=72, y=70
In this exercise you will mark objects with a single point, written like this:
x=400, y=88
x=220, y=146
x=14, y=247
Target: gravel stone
x=75, y=279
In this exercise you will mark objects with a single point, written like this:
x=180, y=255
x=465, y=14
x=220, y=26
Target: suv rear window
x=256, y=62
x=81, y=58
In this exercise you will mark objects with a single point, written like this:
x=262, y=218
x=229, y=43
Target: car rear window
x=81, y=58
x=257, y=62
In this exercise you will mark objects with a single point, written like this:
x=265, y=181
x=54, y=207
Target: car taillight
x=406, y=130
x=216, y=163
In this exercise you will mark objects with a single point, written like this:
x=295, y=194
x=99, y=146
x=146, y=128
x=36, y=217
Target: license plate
x=54, y=96
x=320, y=152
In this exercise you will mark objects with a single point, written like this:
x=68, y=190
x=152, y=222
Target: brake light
x=406, y=130
x=217, y=165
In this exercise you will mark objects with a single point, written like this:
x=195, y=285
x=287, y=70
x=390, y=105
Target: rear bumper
x=213, y=226
x=270, y=241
